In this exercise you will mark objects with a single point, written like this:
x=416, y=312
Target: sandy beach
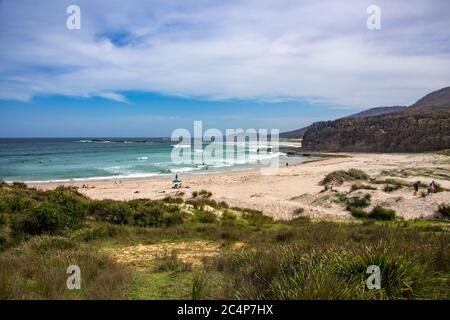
x=297, y=186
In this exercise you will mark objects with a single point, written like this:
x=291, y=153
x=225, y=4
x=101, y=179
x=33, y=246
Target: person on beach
x=431, y=188
x=416, y=188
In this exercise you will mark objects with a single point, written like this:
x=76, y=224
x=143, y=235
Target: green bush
x=171, y=262
x=37, y=270
x=392, y=187
x=359, y=202
x=256, y=218
x=173, y=200
x=361, y=186
x=357, y=212
x=173, y=216
x=205, y=193
x=228, y=216
x=400, y=277
x=439, y=188
x=357, y=174
x=61, y=210
x=117, y=212
x=338, y=177
x=205, y=216
x=380, y=213
x=199, y=203
x=444, y=210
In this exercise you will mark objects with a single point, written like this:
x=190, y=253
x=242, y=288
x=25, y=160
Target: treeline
x=397, y=132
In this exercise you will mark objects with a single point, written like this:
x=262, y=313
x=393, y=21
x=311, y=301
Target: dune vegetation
x=202, y=249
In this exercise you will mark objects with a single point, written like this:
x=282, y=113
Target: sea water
x=77, y=159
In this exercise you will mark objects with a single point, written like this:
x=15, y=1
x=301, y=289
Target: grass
x=359, y=202
x=171, y=262
x=340, y=176
x=444, y=210
x=361, y=186
x=258, y=258
x=37, y=270
x=381, y=213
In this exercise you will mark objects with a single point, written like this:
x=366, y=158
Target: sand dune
x=294, y=187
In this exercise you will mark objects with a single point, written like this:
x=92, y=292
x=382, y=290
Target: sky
x=145, y=68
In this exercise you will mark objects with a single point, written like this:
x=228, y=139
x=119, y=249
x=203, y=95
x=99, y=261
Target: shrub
x=19, y=185
x=297, y=221
x=173, y=216
x=200, y=203
x=299, y=211
x=284, y=235
x=390, y=187
x=357, y=174
x=205, y=216
x=380, y=213
x=400, y=277
x=357, y=212
x=51, y=218
x=37, y=270
x=228, y=216
x=338, y=177
x=204, y=193
x=199, y=282
x=444, y=210
x=439, y=188
x=256, y=218
x=173, y=200
x=359, y=202
x=171, y=262
x=360, y=186
x=62, y=210
x=117, y=212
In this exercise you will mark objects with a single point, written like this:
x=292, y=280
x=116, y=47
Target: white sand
x=292, y=187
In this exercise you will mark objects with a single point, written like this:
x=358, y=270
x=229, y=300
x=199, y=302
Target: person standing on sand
x=416, y=188
x=431, y=188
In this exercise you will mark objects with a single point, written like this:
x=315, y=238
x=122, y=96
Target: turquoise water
x=65, y=159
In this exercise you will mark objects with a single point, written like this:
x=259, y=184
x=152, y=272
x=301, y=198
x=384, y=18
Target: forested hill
x=424, y=126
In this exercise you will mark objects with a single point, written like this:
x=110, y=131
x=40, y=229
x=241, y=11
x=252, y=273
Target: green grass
x=361, y=186
x=444, y=210
x=37, y=270
x=338, y=177
x=381, y=213
x=298, y=259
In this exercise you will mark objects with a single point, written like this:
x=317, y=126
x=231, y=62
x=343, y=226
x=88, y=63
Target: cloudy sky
x=144, y=68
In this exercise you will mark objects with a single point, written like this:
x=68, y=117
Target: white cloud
x=259, y=50
x=113, y=96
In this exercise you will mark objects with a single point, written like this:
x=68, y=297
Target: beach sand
x=297, y=186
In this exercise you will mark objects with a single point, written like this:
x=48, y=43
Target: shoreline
x=290, y=151
x=293, y=188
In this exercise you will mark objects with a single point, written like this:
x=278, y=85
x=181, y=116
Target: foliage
x=380, y=213
x=338, y=177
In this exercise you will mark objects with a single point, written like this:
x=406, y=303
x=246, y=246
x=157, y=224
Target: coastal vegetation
x=198, y=248
x=423, y=126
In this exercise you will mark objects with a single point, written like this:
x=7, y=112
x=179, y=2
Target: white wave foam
x=181, y=146
x=184, y=169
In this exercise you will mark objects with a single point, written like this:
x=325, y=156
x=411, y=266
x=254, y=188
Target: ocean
x=79, y=159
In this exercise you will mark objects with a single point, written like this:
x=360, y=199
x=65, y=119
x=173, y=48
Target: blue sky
x=145, y=68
